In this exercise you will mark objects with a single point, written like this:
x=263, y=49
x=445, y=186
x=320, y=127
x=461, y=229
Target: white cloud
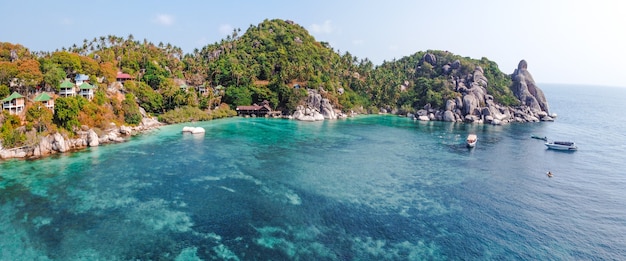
x=325, y=28
x=164, y=19
x=226, y=29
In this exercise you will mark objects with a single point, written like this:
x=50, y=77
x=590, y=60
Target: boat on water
x=561, y=145
x=194, y=130
x=471, y=140
x=544, y=138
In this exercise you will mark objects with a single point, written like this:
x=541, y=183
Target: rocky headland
x=475, y=105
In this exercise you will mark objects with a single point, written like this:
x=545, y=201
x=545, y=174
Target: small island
x=110, y=88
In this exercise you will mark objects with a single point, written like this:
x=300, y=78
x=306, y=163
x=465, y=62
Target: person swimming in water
x=549, y=174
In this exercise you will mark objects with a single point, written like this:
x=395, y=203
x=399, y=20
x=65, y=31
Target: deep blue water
x=365, y=188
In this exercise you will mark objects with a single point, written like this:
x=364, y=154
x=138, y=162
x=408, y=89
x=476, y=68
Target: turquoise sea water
x=365, y=188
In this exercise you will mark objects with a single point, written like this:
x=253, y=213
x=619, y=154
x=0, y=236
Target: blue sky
x=575, y=42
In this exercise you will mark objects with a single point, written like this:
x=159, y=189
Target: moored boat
x=193, y=130
x=544, y=138
x=471, y=140
x=561, y=145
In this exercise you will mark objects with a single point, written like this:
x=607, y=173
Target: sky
x=568, y=42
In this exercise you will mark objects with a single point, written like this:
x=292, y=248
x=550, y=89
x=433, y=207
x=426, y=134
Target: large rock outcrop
x=526, y=90
x=58, y=143
x=327, y=110
x=315, y=109
x=475, y=105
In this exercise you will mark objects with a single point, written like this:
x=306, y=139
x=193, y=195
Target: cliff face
x=476, y=105
x=526, y=90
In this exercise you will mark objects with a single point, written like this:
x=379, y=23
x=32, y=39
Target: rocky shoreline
x=474, y=105
x=58, y=143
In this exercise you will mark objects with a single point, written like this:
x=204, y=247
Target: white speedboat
x=561, y=145
x=471, y=140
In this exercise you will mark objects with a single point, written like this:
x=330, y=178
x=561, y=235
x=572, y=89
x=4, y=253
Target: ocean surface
x=365, y=188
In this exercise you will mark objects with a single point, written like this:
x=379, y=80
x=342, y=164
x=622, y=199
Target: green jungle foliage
x=132, y=115
x=10, y=135
x=40, y=117
x=276, y=61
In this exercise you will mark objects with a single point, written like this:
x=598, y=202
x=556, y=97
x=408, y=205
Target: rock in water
x=317, y=108
x=327, y=110
x=58, y=143
x=92, y=138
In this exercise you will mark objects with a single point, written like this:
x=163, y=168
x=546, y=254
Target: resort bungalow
x=14, y=103
x=202, y=89
x=218, y=90
x=184, y=87
x=254, y=110
x=46, y=100
x=80, y=79
x=122, y=77
x=67, y=89
x=86, y=90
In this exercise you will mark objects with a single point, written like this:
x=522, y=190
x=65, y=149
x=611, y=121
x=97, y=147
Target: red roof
x=124, y=76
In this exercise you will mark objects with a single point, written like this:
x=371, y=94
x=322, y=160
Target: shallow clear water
x=371, y=187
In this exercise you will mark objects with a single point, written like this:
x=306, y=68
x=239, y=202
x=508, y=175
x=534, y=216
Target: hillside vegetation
x=276, y=60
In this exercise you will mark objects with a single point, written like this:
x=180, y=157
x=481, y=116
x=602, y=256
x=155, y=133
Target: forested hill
x=276, y=60
x=268, y=60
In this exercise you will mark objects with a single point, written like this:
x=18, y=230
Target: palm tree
x=111, y=39
x=102, y=41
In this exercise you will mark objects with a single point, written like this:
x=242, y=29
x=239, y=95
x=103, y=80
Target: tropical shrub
x=132, y=115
